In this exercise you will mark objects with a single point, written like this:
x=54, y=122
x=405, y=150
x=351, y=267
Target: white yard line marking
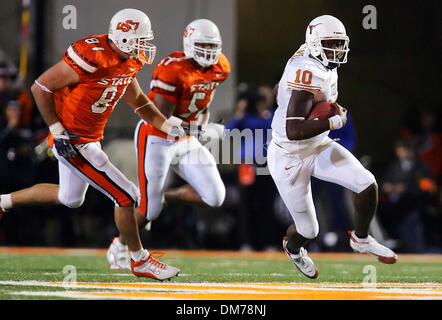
x=77, y=295
x=156, y=290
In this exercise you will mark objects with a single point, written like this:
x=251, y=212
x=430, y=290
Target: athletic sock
x=359, y=238
x=139, y=255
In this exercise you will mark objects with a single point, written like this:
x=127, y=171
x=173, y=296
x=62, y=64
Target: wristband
x=43, y=87
x=295, y=118
x=56, y=128
x=335, y=122
x=175, y=120
x=166, y=127
x=144, y=105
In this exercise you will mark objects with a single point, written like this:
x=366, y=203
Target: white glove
x=338, y=121
x=178, y=132
x=211, y=132
x=173, y=130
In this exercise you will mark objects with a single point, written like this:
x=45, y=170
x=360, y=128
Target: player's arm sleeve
x=305, y=77
x=165, y=82
x=81, y=58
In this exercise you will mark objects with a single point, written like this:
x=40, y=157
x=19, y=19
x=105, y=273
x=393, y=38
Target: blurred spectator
x=254, y=111
x=258, y=227
x=407, y=194
x=10, y=91
x=16, y=136
x=16, y=148
x=427, y=137
x=21, y=129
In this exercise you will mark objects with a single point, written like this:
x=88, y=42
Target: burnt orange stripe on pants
x=100, y=178
x=142, y=180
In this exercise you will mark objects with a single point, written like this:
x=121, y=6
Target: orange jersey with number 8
x=192, y=89
x=85, y=107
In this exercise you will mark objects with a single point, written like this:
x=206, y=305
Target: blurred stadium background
x=390, y=86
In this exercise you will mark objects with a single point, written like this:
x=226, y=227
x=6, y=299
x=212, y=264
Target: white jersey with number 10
x=302, y=72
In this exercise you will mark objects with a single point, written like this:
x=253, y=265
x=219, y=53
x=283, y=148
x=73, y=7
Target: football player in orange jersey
x=75, y=98
x=182, y=87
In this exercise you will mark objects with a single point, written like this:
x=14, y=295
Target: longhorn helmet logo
x=312, y=26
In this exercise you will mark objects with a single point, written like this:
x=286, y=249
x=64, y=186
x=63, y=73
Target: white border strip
x=80, y=61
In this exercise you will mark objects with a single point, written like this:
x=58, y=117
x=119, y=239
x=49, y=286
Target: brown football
x=323, y=110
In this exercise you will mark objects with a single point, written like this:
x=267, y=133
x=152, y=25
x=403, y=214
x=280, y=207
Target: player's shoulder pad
x=167, y=73
x=175, y=60
x=89, y=53
x=308, y=63
x=171, y=66
x=223, y=64
x=305, y=73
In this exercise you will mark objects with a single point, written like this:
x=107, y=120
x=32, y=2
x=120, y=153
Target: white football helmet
x=198, y=32
x=324, y=28
x=131, y=31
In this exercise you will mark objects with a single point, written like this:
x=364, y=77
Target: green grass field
x=22, y=274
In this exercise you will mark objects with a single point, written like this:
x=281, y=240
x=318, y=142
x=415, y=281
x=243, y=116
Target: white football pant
x=188, y=158
x=92, y=167
x=291, y=173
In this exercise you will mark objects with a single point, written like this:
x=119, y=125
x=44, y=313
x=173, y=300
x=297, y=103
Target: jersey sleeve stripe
x=83, y=57
x=72, y=61
x=162, y=80
x=303, y=85
x=301, y=88
x=80, y=62
x=160, y=84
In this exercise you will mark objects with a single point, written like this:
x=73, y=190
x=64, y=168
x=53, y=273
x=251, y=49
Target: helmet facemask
x=143, y=50
x=328, y=56
x=205, y=56
x=334, y=56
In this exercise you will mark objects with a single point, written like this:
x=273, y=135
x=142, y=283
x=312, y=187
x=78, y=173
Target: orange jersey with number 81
x=85, y=107
x=192, y=89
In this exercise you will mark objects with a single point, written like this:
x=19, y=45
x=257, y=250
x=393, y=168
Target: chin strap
x=332, y=66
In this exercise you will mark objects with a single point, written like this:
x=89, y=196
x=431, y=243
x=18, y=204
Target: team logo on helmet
x=188, y=31
x=312, y=26
x=127, y=25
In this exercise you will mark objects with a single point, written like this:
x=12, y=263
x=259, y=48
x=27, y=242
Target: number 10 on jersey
x=306, y=77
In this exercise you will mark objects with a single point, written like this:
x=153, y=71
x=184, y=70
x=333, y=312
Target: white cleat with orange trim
x=118, y=256
x=152, y=268
x=301, y=261
x=371, y=246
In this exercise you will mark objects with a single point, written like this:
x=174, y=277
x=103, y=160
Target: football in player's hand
x=323, y=110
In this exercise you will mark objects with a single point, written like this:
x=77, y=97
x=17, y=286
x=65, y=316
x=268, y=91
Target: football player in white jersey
x=301, y=148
